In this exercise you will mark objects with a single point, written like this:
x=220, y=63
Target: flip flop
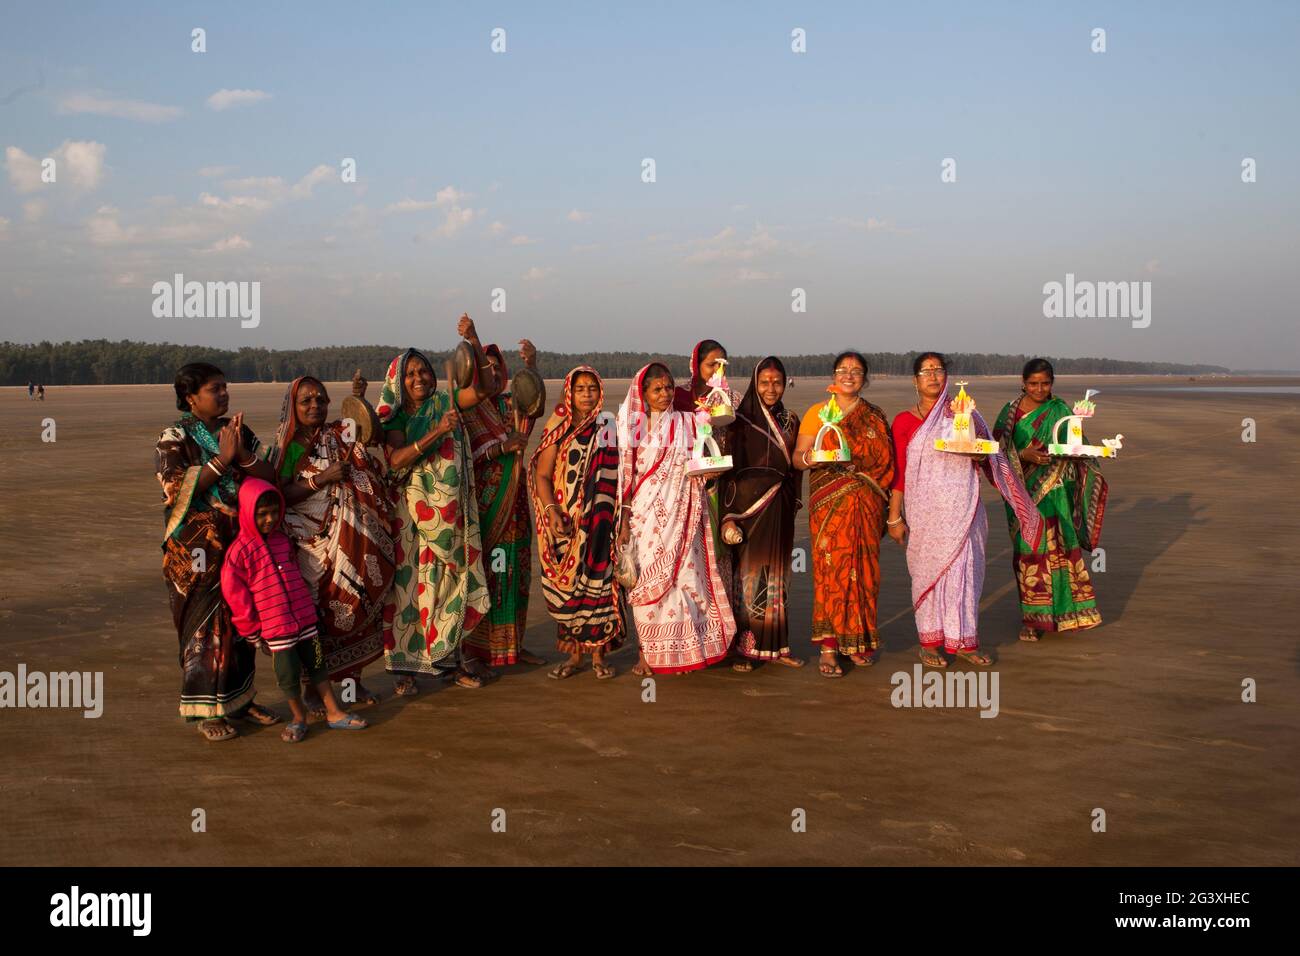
x=603, y=671
x=293, y=733
x=933, y=658
x=349, y=722
x=742, y=666
x=211, y=730
x=257, y=714
x=978, y=658
x=829, y=666
x=564, y=671
x=864, y=660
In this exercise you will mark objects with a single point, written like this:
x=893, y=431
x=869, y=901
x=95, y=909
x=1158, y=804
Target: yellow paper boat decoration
x=1073, y=446
x=962, y=439
x=831, y=415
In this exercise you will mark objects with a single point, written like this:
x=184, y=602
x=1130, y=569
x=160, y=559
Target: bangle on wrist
x=311, y=483
x=252, y=460
x=897, y=520
x=805, y=457
x=216, y=468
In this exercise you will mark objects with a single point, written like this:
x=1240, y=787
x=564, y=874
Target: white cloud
x=24, y=171
x=255, y=184
x=302, y=189
x=122, y=109
x=497, y=229
x=872, y=224
x=234, y=202
x=33, y=210
x=1152, y=266
x=577, y=215
x=230, y=244
x=727, y=247
x=451, y=196
x=77, y=163
x=455, y=219
x=522, y=240
x=225, y=99
x=754, y=275
x=410, y=205
x=214, y=171
x=536, y=273
x=125, y=279
x=103, y=229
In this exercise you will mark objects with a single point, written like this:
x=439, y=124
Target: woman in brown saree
x=759, y=498
x=847, y=504
x=200, y=461
x=340, y=516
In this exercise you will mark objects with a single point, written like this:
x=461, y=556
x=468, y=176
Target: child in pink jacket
x=270, y=602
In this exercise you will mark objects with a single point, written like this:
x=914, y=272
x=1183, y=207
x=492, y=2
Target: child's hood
x=249, y=491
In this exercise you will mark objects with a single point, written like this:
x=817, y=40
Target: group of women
x=418, y=544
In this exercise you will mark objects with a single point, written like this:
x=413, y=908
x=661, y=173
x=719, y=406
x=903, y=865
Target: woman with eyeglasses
x=1055, y=591
x=847, y=502
x=945, y=529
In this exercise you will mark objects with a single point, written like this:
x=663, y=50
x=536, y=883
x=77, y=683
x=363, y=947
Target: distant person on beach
x=31, y=391
x=40, y=392
x=270, y=604
x=1056, y=592
x=683, y=616
x=573, y=478
x=498, y=434
x=440, y=591
x=340, y=516
x=200, y=461
x=847, y=502
x=935, y=509
x=759, y=497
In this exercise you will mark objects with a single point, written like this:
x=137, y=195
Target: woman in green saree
x=439, y=589
x=1056, y=592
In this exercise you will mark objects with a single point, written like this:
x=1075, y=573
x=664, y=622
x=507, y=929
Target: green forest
x=101, y=362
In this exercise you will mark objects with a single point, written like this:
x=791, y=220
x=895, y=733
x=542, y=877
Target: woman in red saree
x=759, y=498
x=846, y=516
x=683, y=618
x=497, y=438
x=573, y=479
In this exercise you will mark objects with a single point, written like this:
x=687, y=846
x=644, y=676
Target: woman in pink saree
x=945, y=528
x=683, y=619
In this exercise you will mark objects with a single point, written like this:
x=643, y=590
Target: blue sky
x=775, y=170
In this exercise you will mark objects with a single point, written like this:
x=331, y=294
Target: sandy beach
x=1142, y=718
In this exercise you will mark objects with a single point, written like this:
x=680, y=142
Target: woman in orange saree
x=847, y=504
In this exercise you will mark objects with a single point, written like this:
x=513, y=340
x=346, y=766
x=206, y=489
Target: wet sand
x=1142, y=717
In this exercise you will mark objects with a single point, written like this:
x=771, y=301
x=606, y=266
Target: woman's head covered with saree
x=397, y=392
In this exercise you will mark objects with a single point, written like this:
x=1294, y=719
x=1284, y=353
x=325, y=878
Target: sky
x=774, y=170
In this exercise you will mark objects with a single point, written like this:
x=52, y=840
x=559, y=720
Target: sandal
x=405, y=687
x=257, y=714
x=742, y=665
x=603, y=670
x=933, y=658
x=349, y=722
x=566, y=670
x=465, y=679
x=829, y=665
x=864, y=660
x=217, y=730
x=1029, y=634
x=293, y=732
x=975, y=657
x=787, y=661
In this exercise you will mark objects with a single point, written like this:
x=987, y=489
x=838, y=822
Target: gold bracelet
x=311, y=483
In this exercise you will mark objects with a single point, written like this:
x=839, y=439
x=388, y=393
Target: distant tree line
x=101, y=362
